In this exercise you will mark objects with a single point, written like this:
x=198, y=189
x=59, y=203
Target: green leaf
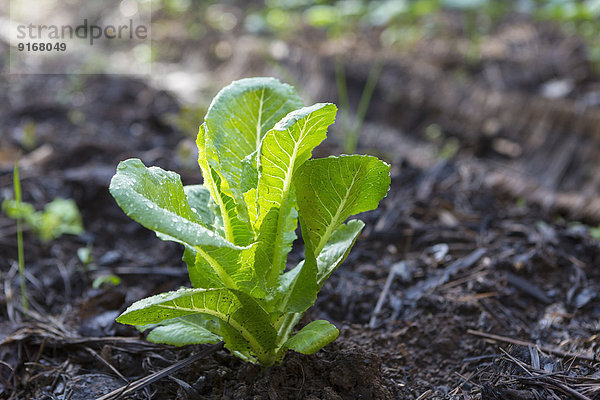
x=337, y=248
x=235, y=309
x=14, y=209
x=203, y=274
x=331, y=189
x=284, y=149
x=251, y=199
x=189, y=257
x=156, y=199
x=181, y=331
x=218, y=267
x=233, y=210
x=199, y=200
x=105, y=280
x=236, y=215
x=274, y=242
x=313, y=337
x=236, y=121
x=241, y=114
x=298, y=288
x=206, y=160
x=249, y=179
x=60, y=216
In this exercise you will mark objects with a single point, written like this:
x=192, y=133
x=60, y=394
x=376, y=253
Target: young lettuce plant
x=255, y=150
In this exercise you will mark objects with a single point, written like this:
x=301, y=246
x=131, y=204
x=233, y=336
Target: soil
x=457, y=289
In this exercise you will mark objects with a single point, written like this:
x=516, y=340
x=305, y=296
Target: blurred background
x=510, y=85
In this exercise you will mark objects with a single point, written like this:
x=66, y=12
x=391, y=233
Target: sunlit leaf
x=181, y=331
x=241, y=114
x=233, y=308
x=284, y=149
x=331, y=189
x=313, y=337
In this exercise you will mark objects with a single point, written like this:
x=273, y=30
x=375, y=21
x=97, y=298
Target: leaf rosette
x=260, y=181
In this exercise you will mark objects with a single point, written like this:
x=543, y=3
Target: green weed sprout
x=351, y=127
x=20, y=250
x=59, y=217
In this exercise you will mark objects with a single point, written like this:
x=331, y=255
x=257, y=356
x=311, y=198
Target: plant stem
x=340, y=81
x=363, y=105
x=286, y=328
x=20, y=250
x=351, y=129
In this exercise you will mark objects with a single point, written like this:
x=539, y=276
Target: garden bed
x=456, y=288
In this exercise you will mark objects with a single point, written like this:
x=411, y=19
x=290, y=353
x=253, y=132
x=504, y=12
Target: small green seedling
x=352, y=126
x=255, y=150
x=106, y=281
x=595, y=232
x=60, y=216
x=85, y=255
